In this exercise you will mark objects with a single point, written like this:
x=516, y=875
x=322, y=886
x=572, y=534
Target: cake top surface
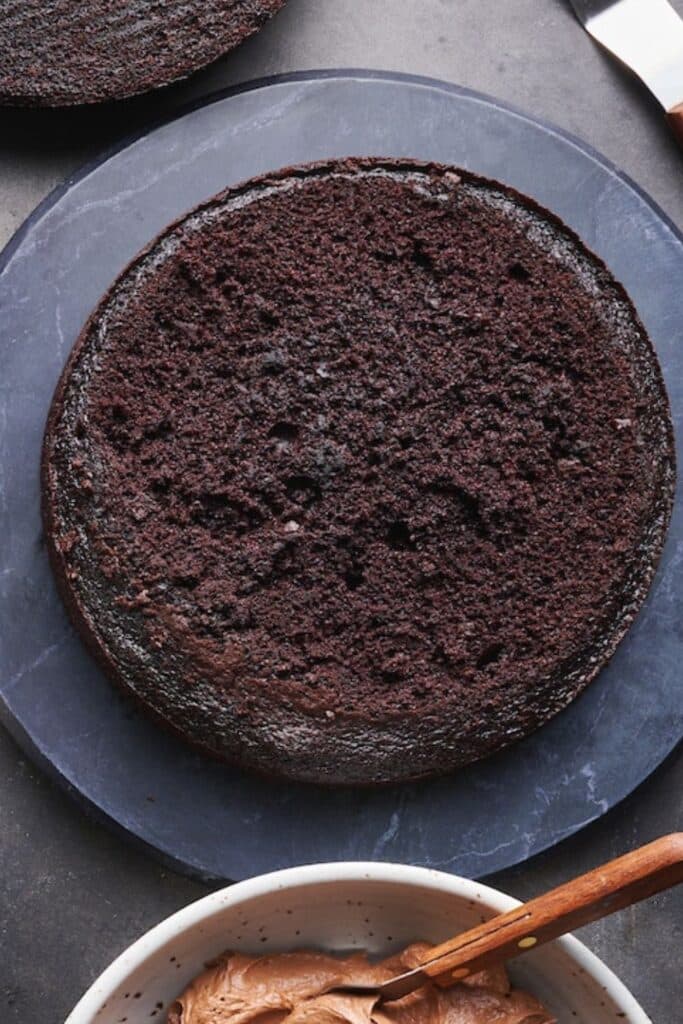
x=364, y=445
x=61, y=52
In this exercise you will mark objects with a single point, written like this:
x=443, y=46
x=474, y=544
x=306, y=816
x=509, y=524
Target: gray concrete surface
x=72, y=895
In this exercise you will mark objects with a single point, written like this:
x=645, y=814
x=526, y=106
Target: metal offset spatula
x=647, y=36
x=626, y=880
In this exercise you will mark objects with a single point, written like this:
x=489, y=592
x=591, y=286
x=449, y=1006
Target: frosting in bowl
x=295, y=988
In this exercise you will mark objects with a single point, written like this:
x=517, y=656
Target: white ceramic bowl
x=337, y=907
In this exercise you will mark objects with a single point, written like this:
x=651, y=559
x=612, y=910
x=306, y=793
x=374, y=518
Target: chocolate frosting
x=295, y=987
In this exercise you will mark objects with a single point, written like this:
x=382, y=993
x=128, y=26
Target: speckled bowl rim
x=196, y=913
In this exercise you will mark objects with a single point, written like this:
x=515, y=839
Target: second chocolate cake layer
x=359, y=472
x=63, y=52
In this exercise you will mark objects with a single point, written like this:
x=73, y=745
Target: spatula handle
x=612, y=887
x=675, y=119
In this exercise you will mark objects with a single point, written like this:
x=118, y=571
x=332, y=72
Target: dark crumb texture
x=359, y=472
x=62, y=52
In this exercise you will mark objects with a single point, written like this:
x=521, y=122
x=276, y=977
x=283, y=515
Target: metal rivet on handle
x=528, y=942
x=461, y=972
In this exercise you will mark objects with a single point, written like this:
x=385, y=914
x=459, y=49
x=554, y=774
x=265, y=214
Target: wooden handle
x=675, y=119
x=611, y=887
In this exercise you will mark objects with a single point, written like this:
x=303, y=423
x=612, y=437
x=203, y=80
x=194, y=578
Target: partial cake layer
x=63, y=52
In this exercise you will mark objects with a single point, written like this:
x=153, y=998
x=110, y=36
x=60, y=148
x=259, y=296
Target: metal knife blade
x=646, y=35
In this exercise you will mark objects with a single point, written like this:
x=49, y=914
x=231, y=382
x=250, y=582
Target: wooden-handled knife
x=647, y=36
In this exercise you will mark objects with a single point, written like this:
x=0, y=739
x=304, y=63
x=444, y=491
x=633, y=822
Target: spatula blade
x=646, y=35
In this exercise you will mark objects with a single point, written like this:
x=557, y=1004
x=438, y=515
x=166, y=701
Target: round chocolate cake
x=61, y=52
x=359, y=472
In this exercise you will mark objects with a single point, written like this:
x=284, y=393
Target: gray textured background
x=71, y=895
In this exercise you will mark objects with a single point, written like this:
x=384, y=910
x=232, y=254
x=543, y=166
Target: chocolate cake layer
x=359, y=472
x=62, y=52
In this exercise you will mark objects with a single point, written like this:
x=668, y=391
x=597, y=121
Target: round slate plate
x=217, y=822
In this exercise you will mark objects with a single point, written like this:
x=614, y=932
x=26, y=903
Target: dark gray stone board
x=217, y=822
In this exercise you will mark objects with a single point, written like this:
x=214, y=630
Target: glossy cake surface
x=359, y=472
